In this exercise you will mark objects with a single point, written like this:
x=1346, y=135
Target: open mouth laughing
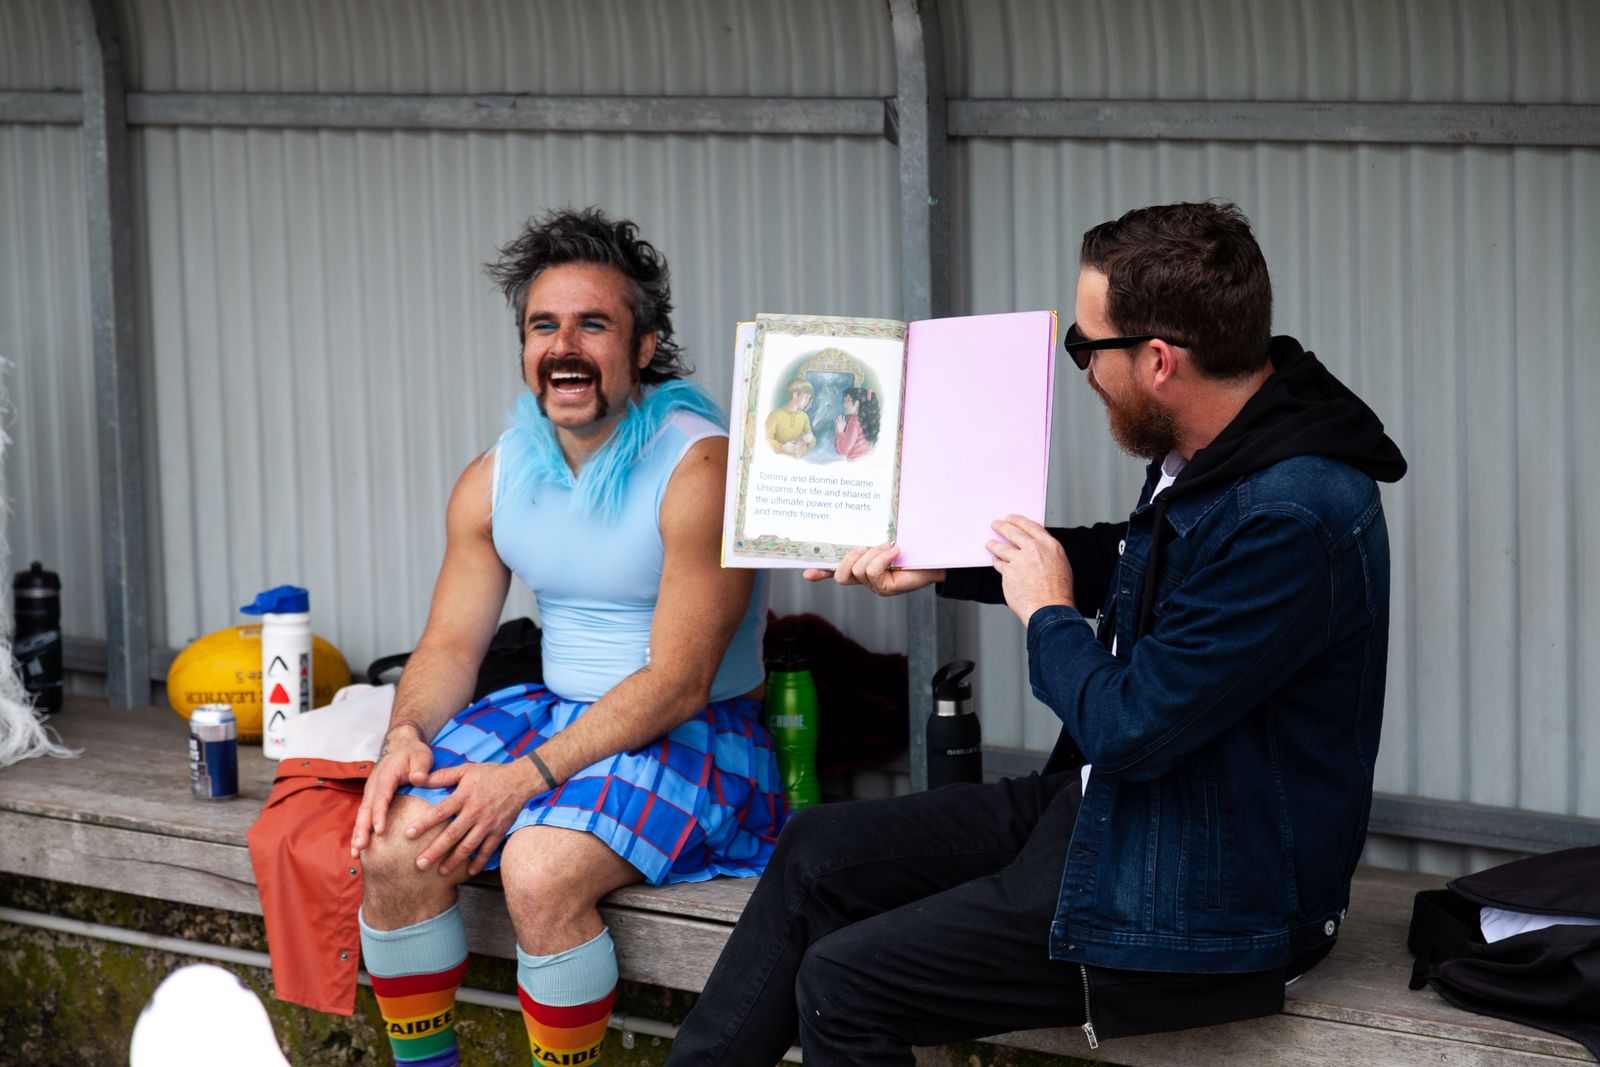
x=571, y=379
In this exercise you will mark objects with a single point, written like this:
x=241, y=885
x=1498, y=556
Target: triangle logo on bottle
x=280, y=695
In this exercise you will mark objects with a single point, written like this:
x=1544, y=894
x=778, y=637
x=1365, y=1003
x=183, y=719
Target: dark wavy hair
x=870, y=411
x=1190, y=273
x=590, y=236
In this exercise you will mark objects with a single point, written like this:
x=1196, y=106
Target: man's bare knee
x=553, y=879
x=394, y=892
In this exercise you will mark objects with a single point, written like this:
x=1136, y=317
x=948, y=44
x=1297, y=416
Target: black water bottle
x=36, y=594
x=955, y=742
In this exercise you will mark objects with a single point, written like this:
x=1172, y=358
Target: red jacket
x=310, y=887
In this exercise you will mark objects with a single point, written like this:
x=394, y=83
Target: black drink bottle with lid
x=955, y=742
x=36, y=595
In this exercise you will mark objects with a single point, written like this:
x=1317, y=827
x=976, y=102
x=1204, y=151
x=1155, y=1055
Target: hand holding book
x=874, y=568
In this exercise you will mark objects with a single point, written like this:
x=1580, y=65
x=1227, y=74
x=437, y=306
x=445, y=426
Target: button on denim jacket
x=1233, y=743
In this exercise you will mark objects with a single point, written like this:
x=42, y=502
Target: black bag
x=1548, y=979
x=513, y=658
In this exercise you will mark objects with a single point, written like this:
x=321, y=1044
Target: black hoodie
x=1301, y=410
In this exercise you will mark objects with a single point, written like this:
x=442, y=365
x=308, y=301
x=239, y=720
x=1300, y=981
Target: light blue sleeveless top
x=596, y=581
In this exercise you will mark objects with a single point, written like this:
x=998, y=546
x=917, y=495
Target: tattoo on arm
x=414, y=724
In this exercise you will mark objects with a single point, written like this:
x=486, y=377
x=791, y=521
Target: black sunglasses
x=1081, y=348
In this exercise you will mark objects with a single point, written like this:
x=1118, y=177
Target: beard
x=1141, y=427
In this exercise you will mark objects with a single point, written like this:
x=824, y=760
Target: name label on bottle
x=788, y=722
x=36, y=644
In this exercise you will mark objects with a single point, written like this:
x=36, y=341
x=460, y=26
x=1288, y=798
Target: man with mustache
x=1189, y=845
x=642, y=755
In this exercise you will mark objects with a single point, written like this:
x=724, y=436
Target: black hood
x=1302, y=410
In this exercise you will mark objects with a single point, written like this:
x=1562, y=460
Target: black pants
x=884, y=924
x=923, y=920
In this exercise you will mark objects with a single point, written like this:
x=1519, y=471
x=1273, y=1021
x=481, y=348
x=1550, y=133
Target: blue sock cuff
x=575, y=976
x=427, y=947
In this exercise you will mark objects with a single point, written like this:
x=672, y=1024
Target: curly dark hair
x=590, y=236
x=1190, y=272
x=869, y=411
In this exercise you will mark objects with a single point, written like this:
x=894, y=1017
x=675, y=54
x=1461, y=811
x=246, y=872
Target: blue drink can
x=213, y=752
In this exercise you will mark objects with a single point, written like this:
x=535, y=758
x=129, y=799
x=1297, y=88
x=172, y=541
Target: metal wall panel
x=53, y=510
x=1452, y=287
x=328, y=356
x=52, y=465
x=325, y=355
x=588, y=47
x=38, y=45
x=1456, y=51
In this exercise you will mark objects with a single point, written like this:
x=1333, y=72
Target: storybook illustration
x=832, y=416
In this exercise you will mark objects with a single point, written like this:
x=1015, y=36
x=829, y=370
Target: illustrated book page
x=814, y=439
x=850, y=432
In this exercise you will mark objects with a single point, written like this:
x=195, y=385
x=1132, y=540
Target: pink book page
x=975, y=443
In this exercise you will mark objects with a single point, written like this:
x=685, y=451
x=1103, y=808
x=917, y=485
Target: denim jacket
x=1233, y=745
x=1234, y=735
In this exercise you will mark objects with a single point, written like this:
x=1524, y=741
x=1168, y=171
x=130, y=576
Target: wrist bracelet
x=549, y=779
x=413, y=723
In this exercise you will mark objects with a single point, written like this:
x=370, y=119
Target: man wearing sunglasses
x=1189, y=845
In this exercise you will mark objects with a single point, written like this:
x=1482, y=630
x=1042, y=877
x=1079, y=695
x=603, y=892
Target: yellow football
x=225, y=668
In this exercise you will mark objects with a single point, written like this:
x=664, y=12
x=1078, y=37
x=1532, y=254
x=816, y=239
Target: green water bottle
x=792, y=719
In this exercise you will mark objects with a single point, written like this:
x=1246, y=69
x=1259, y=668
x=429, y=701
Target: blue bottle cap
x=284, y=600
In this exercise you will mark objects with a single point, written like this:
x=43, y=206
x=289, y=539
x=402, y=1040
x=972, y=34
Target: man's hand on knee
x=485, y=800
x=405, y=759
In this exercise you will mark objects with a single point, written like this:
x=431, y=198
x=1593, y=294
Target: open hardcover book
x=849, y=432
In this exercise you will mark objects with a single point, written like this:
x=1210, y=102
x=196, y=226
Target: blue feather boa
x=531, y=455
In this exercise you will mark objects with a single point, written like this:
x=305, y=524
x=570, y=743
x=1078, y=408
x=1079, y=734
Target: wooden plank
x=719, y=900
x=1286, y=1041
x=1355, y=1007
x=1364, y=981
x=653, y=945
x=153, y=865
x=134, y=775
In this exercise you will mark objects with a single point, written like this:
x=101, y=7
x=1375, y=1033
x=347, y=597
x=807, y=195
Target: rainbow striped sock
x=415, y=972
x=566, y=1036
x=566, y=1001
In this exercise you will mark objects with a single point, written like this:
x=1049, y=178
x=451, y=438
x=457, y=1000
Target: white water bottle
x=285, y=661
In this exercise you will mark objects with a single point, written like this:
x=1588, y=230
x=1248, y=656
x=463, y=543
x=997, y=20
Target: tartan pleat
x=704, y=800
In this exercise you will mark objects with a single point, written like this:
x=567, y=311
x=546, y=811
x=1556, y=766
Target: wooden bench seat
x=121, y=817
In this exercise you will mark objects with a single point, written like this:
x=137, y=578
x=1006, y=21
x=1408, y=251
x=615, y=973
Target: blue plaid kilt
x=704, y=800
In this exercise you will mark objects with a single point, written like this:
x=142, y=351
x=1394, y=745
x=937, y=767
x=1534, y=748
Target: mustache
x=568, y=364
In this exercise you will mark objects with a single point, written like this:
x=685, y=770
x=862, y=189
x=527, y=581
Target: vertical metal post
x=116, y=355
x=925, y=293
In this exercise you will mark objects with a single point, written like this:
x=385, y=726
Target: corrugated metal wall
x=1452, y=286
x=325, y=355
x=48, y=378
